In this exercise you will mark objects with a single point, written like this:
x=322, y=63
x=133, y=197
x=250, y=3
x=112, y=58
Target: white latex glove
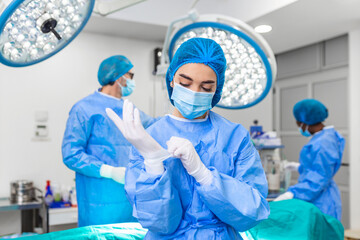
x=133, y=130
x=284, y=196
x=292, y=166
x=183, y=149
x=115, y=173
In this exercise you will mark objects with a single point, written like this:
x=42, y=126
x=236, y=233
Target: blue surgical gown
x=91, y=139
x=174, y=206
x=320, y=159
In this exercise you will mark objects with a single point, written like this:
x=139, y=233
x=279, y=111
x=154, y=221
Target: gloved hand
x=115, y=173
x=284, y=196
x=292, y=166
x=183, y=149
x=133, y=130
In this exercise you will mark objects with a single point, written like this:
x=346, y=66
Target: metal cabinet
x=33, y=214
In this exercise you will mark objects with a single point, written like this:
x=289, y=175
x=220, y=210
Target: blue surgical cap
x=112, y=68
x=199, y=50
x=310, y=111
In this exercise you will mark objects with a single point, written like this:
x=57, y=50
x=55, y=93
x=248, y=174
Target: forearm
x=83, y=163
x=310, y=187
x=156, y=202
x=242, y=206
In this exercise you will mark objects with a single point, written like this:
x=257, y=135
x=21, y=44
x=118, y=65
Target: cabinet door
x=337, y=106
x=288, y=97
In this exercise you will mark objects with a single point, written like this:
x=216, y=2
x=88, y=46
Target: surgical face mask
x=305, y=133
x=189, y=103
x=130, y=86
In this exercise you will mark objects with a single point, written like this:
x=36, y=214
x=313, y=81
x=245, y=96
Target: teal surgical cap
x=199, y=50
x=310, y=111
x=112, y=68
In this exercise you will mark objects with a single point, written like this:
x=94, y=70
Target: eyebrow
x=190, y=79
x=184, y=76
x=208, y=82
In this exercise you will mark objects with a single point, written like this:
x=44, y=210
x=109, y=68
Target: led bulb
x=65, y=3
x=70, y=10
x=40, y=42
x=29, y=24
x=48, y=47
x=68, y=32
x=26, y=45
x=15, y=54
x=56, y=13
x=14, y=31
x=50, y=7
x=20, y=38
x=7, y=48
x=34, y=53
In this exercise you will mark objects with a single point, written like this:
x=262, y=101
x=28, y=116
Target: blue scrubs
x=91, y=139
x=174, y=206
x=320, y=159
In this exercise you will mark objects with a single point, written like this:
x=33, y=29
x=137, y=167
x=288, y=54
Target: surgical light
x=34, y=30
x=251, y=65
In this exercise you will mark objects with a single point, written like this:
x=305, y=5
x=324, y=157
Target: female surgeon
x=320, y=159
x=209, y=183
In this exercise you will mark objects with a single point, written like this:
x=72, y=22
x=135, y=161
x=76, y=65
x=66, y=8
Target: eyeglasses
x=131, y=75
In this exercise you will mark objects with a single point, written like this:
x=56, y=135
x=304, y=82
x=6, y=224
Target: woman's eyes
x=188, y=85
x=206, y=89
x=184, y=84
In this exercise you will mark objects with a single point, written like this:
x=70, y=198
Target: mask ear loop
x=120, y=85
x=119, y=82
x=307, y=128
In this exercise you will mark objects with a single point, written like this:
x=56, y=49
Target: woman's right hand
x=133, y=130
x=184, y=150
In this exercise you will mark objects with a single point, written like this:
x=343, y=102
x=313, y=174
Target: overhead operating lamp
x=251, y=64
x=34, y=30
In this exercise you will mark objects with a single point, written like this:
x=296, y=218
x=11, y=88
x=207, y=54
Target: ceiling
x=162, y=12
x=122, y=28
x=295, y=23
x=309, y=21
x=149, y=19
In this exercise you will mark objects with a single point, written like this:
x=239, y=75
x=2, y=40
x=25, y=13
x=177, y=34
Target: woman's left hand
x=183, y=149
x=133, y=130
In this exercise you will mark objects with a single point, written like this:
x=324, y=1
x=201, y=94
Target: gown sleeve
x=156, y=203
x=77, y=132
x=319, y=174
x=239, y=200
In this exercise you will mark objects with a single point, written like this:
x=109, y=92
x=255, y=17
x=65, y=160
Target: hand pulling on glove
x=183, y=149
x=133, y=130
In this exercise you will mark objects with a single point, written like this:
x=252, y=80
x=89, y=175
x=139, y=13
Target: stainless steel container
x=22, y=191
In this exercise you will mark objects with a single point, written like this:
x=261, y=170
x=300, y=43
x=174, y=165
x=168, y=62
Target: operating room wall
x=263, y=112
x=54, y=86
